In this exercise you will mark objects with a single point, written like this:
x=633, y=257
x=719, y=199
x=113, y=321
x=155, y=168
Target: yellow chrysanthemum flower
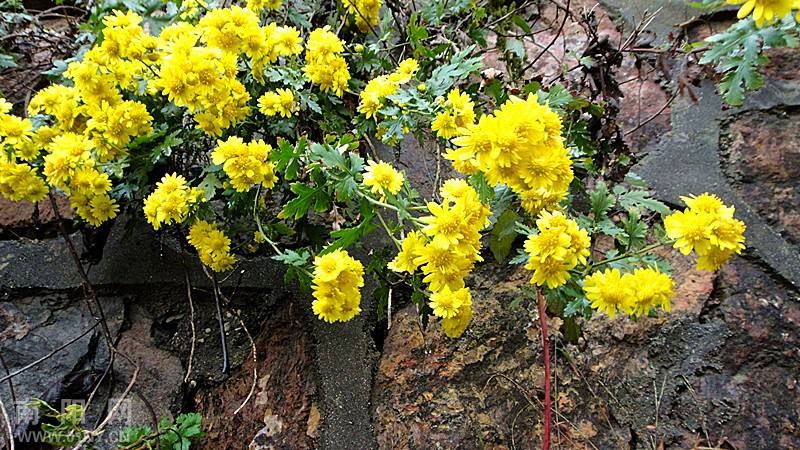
x=764, y=12
x=20, y=182
x=380, y=176
x=365, y=12
x=446, y=303
x=212, y=246
x=337, y=279
x=245, y=164
x=454, y=326
x=519, y=145
x=708, y=228
x=559, y=247
x=651, y=289
x=410, y=251
x=325, y=66
x=279, y=102
x=610, y=291
x=171, y=201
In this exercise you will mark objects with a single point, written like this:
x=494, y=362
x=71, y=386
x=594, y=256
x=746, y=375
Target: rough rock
x=158, y=389
x=281, y=412
x=684, y=379
x=31, y=219
x=34, y=325
x=763, y=161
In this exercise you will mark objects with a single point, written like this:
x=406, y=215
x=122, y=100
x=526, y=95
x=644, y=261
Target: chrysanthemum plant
x=738, y=52
x=244, y=136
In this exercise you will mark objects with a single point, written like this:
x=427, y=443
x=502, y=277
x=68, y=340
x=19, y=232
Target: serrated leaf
x=601, y=200
x=503, y=234
x=346, y=237
x=345, y=188
x=633, y=199
x=293, y=258
x=478, y=181
x=209, y=184
x=307, y=197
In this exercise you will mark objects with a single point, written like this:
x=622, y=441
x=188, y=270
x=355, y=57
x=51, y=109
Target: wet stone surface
x=762, y=151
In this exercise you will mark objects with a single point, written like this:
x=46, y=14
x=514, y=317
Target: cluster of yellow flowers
x=324, y=64
x=365, y=12
x=337, y=279
x=632, y=293
x=380, y=177
x=260, y=5
x=212, y=245
x=69, y=166
x=18, y=181
x=558, y=248
x=446, y=251
x=708, y=227
x=385, y=85
x=171, y=201
x=278, y=102
x=86, y=125
x=766, y=12
x=520, y=145
x=245, y=164
x=459, y=112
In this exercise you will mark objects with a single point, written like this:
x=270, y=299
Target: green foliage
x=180, y=435
x=737, y=53
x=65, y=429
x=503, y=234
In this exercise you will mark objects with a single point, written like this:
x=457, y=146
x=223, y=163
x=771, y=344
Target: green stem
x=626, y=255
x=389, y=232
x=264, y=235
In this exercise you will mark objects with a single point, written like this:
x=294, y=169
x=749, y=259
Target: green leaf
x=634, y=199
x=602, y=201
x=293, y=258
x=209, y=185
x=460, y=66
x=606, y=226
x=501, y=200
x=331, y=157
x=287, y=157
x=478, y=181
x=521, y=23
x=503, y=234
x=7, y=61
x=576, y=307
x=307, y=197
x=345, y=188
x=515, y=47
x=634, y=230
x=520, y=258
x=346, y=237
x=571, y=330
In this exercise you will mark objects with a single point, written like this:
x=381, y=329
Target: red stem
x=548, y=402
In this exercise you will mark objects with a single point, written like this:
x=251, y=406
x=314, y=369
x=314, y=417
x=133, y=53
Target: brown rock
x=763, y=161
x=28, y=219
x=717, y=369
x=280, y=413
x=644, y=105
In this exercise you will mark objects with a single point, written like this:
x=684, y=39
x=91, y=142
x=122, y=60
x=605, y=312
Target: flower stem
x=548, y=402
x=388, y=231
x=625, y=255
x=221, y=323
